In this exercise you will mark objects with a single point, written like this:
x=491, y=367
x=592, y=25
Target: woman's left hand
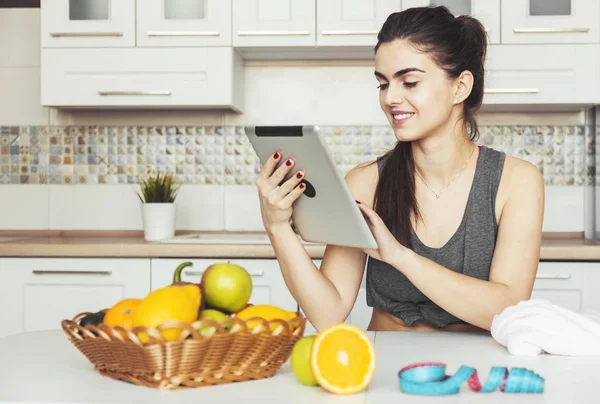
x=389, y=249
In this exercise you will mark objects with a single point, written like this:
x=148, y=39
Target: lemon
x=266, y=311
x=300, y=361
x=168, y=303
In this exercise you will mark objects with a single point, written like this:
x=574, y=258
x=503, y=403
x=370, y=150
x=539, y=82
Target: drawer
x=142, y=77
x=38, y=293
x=544, y=74
x=545, y=21
x=562, y=283
x=268, y=285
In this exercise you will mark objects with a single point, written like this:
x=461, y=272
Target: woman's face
x=414, y=93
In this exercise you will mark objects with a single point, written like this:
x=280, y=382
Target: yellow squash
x=168, y=303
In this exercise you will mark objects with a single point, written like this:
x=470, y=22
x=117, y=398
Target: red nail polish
x=288, y=163
x=301, y=186
x=356, y=201
x=299, y=175
x=276, y=156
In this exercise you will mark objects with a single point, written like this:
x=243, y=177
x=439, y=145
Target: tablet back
x=326, y=212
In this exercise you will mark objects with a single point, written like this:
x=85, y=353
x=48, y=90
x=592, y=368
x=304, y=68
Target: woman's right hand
x=276, y=200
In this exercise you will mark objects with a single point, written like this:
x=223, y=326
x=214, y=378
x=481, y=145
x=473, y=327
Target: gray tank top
x=469, y=251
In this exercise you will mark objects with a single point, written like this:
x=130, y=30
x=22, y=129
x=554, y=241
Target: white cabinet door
x=87, y=23
x=550, y=21
x=142, y=77
x=183, y=22
x=544, y=74
x=38, y=293
x=486, y=11
x=572, y=285
x=268, y=286
x=352, y=22
x=268, y=23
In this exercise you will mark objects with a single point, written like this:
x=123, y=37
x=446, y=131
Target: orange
x=342, y=359
x=121, y=314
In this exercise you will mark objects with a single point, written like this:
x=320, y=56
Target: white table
x=43, y=367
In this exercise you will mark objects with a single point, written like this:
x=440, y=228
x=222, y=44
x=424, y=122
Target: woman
x=458, y=227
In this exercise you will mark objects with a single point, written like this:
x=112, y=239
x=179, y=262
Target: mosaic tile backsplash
x=223, y=154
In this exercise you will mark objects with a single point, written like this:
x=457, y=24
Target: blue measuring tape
x=430, y=379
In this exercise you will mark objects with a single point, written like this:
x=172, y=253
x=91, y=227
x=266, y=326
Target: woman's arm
x=513, y=267
x=326, y=294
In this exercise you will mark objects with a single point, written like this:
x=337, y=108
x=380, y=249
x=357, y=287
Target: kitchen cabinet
x=87, y=23
x=544, y=74
x=352, y=22
x=273, y=23
x=569, y=284
x=211, y=77
x=550, y=21
x=268, y=285
x=183, y=23
x=487, y=11
x=38, y=293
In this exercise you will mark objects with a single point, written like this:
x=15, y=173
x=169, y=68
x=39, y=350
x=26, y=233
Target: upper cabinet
x=184, y=23
x=89, y=23
x=487, y=11
x=352, y=22
x=273, y=23
x=550, y=21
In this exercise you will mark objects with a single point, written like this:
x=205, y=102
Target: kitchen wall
x=77, y=169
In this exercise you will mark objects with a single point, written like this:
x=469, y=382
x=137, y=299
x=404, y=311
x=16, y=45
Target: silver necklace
x=438, y=194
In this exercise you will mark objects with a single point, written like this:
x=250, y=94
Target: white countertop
x=43, y=367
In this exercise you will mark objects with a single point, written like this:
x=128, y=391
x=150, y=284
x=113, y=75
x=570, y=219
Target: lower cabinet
x=572, y=285
x=38, y=293
x=268, y=286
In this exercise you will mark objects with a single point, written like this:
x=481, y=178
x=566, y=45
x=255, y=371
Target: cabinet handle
x=198, y=273
x=342, y=32
x=511, y=90
x=53, y=272
x=183, y=33
x=105, y=93
x=550, y=276
x=85, y=34
x=272, y=33
x=550, y=30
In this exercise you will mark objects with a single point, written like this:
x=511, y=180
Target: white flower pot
x=159, y=221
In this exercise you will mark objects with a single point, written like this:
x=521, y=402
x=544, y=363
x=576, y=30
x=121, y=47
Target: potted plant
x=158, y=206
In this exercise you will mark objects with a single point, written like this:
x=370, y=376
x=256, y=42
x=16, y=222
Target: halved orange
x=343, y=359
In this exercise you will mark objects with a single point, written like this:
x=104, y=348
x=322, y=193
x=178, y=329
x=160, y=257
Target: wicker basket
x=194, y=360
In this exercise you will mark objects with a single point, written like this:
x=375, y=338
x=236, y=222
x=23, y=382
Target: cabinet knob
x=59, y=272
x=272, y=33
x=157, y=92
x=199, y=273
x=511, y=90
x=552, y=276
x=183, y=33
x=350, y=32
x=550, y=30
x=85, y=34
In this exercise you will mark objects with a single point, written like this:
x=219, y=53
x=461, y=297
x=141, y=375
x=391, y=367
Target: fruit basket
x=226, y=351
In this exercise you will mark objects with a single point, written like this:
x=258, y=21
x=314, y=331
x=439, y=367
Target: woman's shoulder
x=362, y=181
x=520, y=177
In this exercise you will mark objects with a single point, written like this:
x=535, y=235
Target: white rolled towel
x=536, y=326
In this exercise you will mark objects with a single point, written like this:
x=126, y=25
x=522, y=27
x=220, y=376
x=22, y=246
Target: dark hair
x=456, y=44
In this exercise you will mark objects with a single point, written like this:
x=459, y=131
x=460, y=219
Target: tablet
x=326, y=212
